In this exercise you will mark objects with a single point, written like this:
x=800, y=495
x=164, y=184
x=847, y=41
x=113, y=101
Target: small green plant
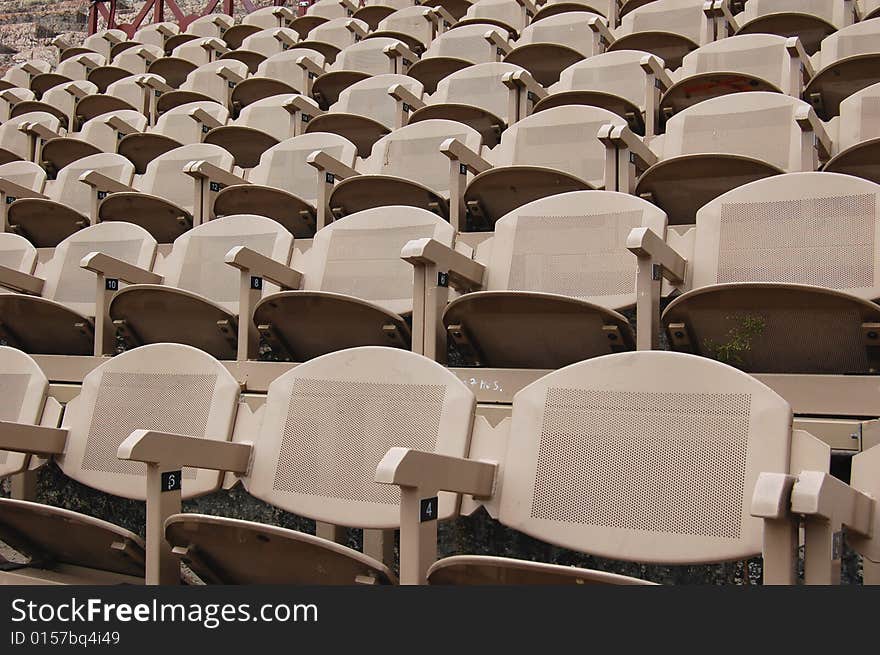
x=739, y=339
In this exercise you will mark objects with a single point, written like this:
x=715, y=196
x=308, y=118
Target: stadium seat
x=263, y=18
x=512, y=15
x=810, y=20
x=60, y=101
x=608, y=9
x=263, y=44
x=371, y=12
x=334, y=35
x=77, y=67
x=132, y=61
x=856, y=137
x=20, y=75
x=16, y=253
x=19, y=179
x=132, y=93
x=20, y=137
x=157, y=33
x=291, y=71
x=214, y=81
x=416, y=26
x=321, y=12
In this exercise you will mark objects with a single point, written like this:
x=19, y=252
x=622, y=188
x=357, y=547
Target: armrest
x=309, y=65
x=164, y=30
x=644, y=243
x=251, y=262
x=502, y=46
x=621, y=137
x=349, y=6
x=203, y=170
x=155, y=83
x=18, y=281
x=808, y=122
x=284, y=39
x=771, y=502
x=101, y=182
x=723, y=15
x=230, y=75
x=208, y=122
x=523, y=80
x=120, y=125
x=76, y=91
x=38, y=130
x=32, y=70
x=442, y=18
x=359, y=32
x=216, y=45
x=464, y=273
x=180, y=450
x=32, y=439
x=59, y=42
x=652, y=66
x=110, y=267
x=111, y=38
x=524, y=94
x=9, y=95
x=15, y=191
x=146, y=55
x=459, y=152
x=406, y=102
x=327, y=163
x=600, y=29
x=529, y=6
x=302, y=110
x=283, y=14
x=420, y=476
x=796, y=51
x=398, y=50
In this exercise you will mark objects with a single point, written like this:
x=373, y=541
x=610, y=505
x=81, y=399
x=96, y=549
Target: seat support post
x=163, y=500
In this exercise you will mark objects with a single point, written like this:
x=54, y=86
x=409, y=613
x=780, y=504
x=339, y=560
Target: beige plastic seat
x=20, y=75
x=60, y=101
x=162, y=387
x=164, y=200
x=722, y=143
x=668, y=29
x=557, y=270
x=608, y=9
x=186, y=58
x=476, y=96
x=332, y=36
x=749, y=62
x=547, y=47
x=626, y=82
x=16, y=252
x=372, y=12
x=283, y=186
x=551, y=152
x=707, y=446
x=19, y=179
x=847, y=62
x=77, y=67
x=157, y=33
x=99, y=134
x=359, y=388
x=355, y=289
x=67, y=204
x=10, y=97
x=214, y=81
x=263, y=18
x=260, y=126
x=406, y=167
x=416, y=26
x=135, y=60
x=358, y=62
x=810, y=20
x=196, y=300
x=769, y=285
x=261, y=45
x=182, y=125
x=54, y=311
x=101, y=42
x=128, y=94
x=512, y=15
x=25, y=391
x=20, y=137
x=365, y=112
x=291, y=71
x=869, y=9
x=321, y=12
x=210, y=25
x=456, y=8
x=453, y=50
x=857, y=135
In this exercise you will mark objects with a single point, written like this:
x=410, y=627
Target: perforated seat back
x=569, y=29
x=151, y=34
x=177, y=124
x=414, y=21
x=336, y=33
x=757, y=124
x=508, y=12
x=682, y=17
x=761, y=55
x=562, y=138
x=137, y=59
x=283, y=66
x=649, y=456
x=166, y=387
x=370, y=97
x=207, y=79
x=859, y=117
x=328, y=9
x=268, y=42
x=413, y=152
x=196, y=262
x=821, y=229
x=101, y=135
x=328, y=422
x=359, y=255
x=20, y=77
x=831, y=11
x=195, y=51
x=269, y=115
x=211, y=25
x=24, y=173
x=68, y=190
x=467, y=42
x=479, y=86
x=284, y=166
x=23, y=388
x=62, y=97
x=618, y=73
x=18, y=142
x=857, y=39
x=367, y=56
x=164, y=176
x=17, y=253
x=572, y=244
x=78, y=67
x=74, y=286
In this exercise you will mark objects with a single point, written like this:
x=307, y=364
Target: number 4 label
x=171, y=481
x=428, y=509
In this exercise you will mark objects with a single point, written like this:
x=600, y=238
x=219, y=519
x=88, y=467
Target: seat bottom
x=306, y=324
x=836, y=82
x=45, y=327
x=361, y=192
x=44, y=222
x=861, y=160
x=363, y=132
x=488, y=570
x=703, y=86
x=488, y=125
x=295, y=214
x=523, y=329
x=670, y=47
x=230, y=551
x=161, y=218
x=613, y=103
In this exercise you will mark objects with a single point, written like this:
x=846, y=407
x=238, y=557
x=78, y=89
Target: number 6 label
x=171, y=481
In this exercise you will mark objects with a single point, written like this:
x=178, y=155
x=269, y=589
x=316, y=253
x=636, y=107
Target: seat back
x=20, y=77
x=756, y=124
x=572, y=244
x=359, y=255
x=137, y=59
x=370, y=97
x=819, y=229
x=64, y=96
x=682, y=17
x=197, y=51
x=208, y=80
x=152, y=34
x=837, y=13
x=328, y=9
x=164, y=176
x=413, y=152
x=101, y=135
x=164, y=387
x=648, y=456
x=17, y=253
x=507, y=12
x=103, y=41
x=467, y=42
x=328, y=422
x=367, y=56
x=479, y=86
x=284, y=165
x=78, y=67
x=197, y=264
x=336, y=32
x=211, y=25
x=24, y=173
x=68, y=190
x=70, y=284
x=269, y=115
x=617, y=73
x=414, y=21
x=859, y=117
x=177, y=124
x=283, y=66
x=265, y=17
x=269, y=42
x=130, y=91
x=18, y=142
x=23, y=388
x=858, y=39
x=562, y=138
x=570, y=29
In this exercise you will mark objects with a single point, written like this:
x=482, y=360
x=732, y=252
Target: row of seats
x=380, y=439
